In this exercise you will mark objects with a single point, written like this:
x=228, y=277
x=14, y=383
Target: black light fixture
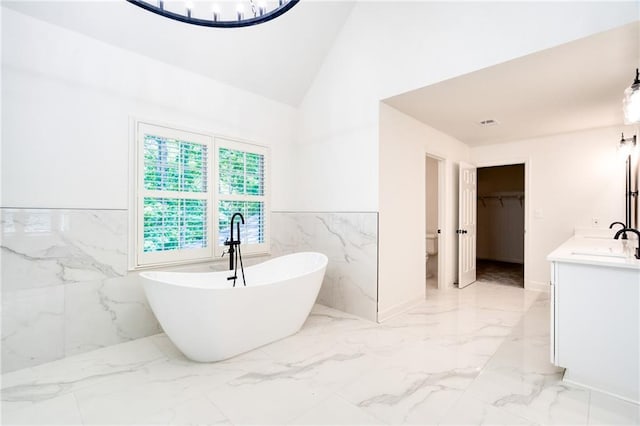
x=627, y=145
x=260, y=11
x=631, y=101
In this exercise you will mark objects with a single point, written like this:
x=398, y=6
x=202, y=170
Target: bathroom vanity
x=595, y=317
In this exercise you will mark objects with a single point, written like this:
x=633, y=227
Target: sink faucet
x=231, y=242
x=624, y=236
x=635, y=231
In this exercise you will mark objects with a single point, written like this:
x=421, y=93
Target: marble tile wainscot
x=65, y=286
x=66, y=289
x=350, y=240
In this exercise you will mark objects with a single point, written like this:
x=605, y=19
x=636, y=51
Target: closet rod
x=482, y=198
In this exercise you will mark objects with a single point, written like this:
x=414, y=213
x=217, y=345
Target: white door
x=467, y=225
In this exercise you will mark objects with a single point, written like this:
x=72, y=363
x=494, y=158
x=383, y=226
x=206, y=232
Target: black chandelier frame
x=213, y=22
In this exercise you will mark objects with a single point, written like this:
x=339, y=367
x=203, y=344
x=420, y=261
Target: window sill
x=204, y=265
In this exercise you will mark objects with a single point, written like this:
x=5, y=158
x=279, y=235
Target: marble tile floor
x=473, y=356
x=432, y=272
x=432, y=283
x=504, y=273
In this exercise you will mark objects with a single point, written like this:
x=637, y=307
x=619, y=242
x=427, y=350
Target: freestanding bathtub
x=209, y=320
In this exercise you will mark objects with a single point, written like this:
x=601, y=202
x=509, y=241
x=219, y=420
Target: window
x=241, y=188
x=183, y=209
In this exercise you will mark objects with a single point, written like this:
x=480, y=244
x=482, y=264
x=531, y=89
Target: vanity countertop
x=597, y=250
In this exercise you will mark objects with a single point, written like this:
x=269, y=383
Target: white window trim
x=234, y=144
x=136, y=197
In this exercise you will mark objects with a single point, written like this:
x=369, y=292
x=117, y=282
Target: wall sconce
x=627, y=146
x=631, y=102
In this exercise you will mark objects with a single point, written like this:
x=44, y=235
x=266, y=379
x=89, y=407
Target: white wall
x=404, y=143
x=573, y=178
x=386, y=48
x=67, y=100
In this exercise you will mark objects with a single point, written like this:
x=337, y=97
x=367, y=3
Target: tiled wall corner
x=350, y=240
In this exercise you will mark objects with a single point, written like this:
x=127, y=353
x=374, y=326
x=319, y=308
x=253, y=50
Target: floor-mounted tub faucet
x=624, y=236
x=233, y=243
x=635, y=231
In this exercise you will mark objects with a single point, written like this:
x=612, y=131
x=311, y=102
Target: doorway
x=501, y=225
x=433, y=196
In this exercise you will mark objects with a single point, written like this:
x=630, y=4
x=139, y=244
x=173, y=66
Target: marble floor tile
x=272, y=399
x=540, y=398
x=324, y=365
x=24, y=388
x=196, y=411
x=470, y=356
x=416, y=383
x=61, y=410
x=471, y=411
x=398, y=398
x=336, y=411
x=160, y=387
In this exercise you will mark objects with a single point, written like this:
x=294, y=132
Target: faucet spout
x=233, y=218
x=635, y=231
x=624, y=236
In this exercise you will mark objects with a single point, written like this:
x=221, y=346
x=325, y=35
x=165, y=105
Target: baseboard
x=615, y=395
x=398, y=309
x=537, y=286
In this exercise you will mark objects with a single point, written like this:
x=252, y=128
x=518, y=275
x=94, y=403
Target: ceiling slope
x=278, y=59
x=571, y=87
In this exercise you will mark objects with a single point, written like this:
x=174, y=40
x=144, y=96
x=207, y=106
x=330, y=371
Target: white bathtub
x=209, y=320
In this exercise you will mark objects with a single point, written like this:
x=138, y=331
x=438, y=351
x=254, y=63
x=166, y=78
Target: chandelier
x=221, y=14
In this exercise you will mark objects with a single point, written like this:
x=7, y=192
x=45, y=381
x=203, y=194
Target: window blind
x=187, y=191
x=174, y=222
x=174, y=194
x=241, y=182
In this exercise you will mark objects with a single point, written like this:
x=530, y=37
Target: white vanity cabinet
x=595, y=316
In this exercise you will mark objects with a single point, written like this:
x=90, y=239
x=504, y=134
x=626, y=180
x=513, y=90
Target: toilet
x=432, y=249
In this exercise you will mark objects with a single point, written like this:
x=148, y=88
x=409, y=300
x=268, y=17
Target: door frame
x=442, y=245
x=510, y=161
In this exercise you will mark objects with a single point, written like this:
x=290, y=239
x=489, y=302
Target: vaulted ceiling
x=570, y=87
x=278, y=59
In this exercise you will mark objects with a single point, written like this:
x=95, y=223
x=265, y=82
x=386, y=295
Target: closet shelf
x=501, y=197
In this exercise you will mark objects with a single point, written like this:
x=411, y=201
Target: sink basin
x=601, y=252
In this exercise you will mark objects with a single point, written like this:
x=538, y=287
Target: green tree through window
x=188, y=186
x=177, y=222
x=241, y=180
